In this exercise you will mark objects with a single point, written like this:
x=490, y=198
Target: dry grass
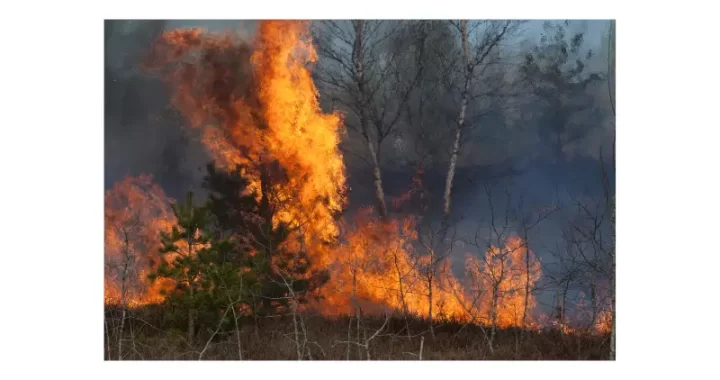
x=273, y=339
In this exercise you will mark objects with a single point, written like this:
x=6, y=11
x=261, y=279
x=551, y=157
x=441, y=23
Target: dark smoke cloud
x=143, y=134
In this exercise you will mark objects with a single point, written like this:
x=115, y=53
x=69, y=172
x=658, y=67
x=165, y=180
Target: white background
x=51, y=155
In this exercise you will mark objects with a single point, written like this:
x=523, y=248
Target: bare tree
x=528, y=222
x=564, y=275
x=357, y=265
x=404, y=272
x=135, y=210
x=609, y=195
x=433, y=253
x=364, y=343
x=127, y=231
x=299, y=331
x=219, y=325
x=234, y=297
x=493, y=268
x=590, y=250
x=610, y=200
x=360, y=70
x=504, y=279
x=475, y=53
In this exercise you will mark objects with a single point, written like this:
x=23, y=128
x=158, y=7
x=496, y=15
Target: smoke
x=143, y=134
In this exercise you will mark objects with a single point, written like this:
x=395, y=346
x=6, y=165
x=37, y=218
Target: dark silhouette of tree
x=247, y=218
x=556, y=72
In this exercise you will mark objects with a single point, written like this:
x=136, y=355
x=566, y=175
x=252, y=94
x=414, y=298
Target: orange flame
x=262, y=109
x=501, y=279
x=257, y=107
x=376, y=266
x=136, y=210
x=603, y=324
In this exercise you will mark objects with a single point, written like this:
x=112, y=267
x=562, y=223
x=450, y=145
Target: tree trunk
x=295, y=328
x=237, y=333
x=357, y=322
x=612, y=316
x=123, y=293
x=527, y=282
x=377, y=179
x=527, y=296
x=430, y=301
x=402, y=295
x=612, y=280
x=357, y=58
x=367, y=345
x=493, y=316
x=562, y=308
x=107, y=338
x=422, y=342
x=191, y=314
x=191, y=320
x=357, y=314
x=122, y=326
x=593, y=300
x=347, y=353
x=453, y=162
x=460, y=123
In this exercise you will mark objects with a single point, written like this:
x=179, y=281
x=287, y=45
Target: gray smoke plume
x=143, y=133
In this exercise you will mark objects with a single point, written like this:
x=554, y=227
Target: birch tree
x=359, y=71
x=476, y=50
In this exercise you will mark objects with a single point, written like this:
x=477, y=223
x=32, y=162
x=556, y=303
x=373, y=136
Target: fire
x=501, y=279
x=257, y=107
x=303, y=139
x=600, y=323
x=136, y=210
x=603, y=324
x=261, y=111
x=375, y=266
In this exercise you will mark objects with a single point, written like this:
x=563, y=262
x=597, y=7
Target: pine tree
x=556, y=71
x=190, y=244
x=247, y=218
x=211, y=273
